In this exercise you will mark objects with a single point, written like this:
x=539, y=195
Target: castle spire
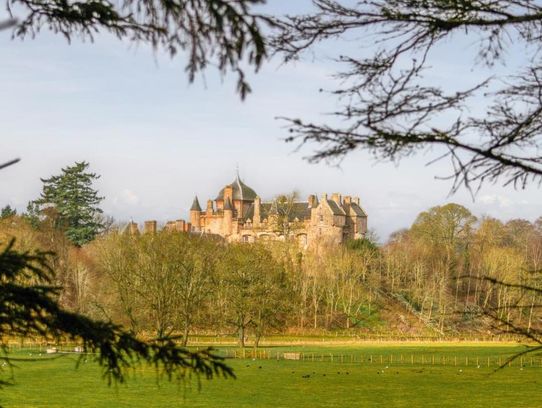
x=195, y=205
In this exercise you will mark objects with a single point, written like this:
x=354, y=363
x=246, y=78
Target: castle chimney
x=150, y=227
x=257, y=207
x=337, y=198
x=324, y=197
x=347, y=199
x=180, y=226
x=133, y=228
x=228, y=216
x=355, y=200
x=312, y=201
x=228, y=193
x=210, y=208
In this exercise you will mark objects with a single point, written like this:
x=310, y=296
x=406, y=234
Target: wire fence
x=412, y=359
x=33, y=349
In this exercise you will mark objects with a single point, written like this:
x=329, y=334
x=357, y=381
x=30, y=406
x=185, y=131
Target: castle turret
x=195, y=213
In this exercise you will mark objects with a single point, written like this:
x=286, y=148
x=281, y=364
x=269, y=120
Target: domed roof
x=240, y=191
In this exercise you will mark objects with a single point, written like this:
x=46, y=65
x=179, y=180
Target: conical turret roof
x=195, y=205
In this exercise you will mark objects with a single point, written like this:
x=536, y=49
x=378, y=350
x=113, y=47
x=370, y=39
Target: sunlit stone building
x=238, y=214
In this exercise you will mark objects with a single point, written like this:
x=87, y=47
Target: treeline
x=446, y=274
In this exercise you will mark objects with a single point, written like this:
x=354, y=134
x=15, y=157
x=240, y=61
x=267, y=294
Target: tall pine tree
x=74, y=201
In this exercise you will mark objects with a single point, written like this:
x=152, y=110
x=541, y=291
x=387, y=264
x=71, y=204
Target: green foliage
x=32, y=214
x=7, y=212
x=367, y=317
x=74, y=201
x=362, y=245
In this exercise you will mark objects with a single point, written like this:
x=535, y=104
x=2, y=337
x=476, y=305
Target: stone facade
x=238, y=214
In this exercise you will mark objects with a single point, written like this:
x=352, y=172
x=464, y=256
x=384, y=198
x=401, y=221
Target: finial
x=237, y=171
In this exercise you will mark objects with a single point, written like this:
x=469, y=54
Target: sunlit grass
x=272, y=383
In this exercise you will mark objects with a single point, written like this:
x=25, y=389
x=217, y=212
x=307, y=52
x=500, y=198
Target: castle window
x=321, y=218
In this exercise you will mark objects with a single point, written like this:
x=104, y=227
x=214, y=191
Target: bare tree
x=393, y=107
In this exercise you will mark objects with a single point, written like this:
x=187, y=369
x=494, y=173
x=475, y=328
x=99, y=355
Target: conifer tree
x=7, y=212
x=75, y=203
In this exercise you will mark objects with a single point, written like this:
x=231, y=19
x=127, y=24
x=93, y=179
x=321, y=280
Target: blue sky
x=157, y=141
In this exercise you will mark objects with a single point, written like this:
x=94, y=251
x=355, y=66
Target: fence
x=395, y=359
x=389, y=359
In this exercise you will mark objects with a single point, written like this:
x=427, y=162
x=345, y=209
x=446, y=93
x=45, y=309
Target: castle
x=238, y=214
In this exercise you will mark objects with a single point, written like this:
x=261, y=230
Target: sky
x=157, y=140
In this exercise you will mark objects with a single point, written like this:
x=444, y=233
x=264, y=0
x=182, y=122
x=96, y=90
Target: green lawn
x=271, y=383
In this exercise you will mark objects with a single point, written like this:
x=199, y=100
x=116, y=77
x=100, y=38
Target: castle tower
x=240, y=195
x=195, y=212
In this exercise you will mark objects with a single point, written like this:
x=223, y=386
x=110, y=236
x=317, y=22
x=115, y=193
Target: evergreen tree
x=32, y=214
x=75, y=202
x=7, y=212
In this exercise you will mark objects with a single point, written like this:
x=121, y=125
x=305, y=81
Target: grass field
x=272, y=383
